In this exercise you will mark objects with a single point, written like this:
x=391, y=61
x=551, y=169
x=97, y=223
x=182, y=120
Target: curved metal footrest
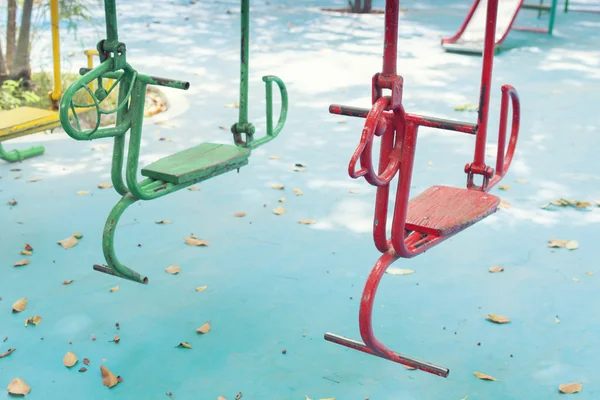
x=399, y=358
x=19, y=155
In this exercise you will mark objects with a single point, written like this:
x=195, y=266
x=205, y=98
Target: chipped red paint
x=438, y=213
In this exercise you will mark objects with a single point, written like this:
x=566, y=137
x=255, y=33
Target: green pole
x=244, y=61
x=110, y=11
x=552, y=16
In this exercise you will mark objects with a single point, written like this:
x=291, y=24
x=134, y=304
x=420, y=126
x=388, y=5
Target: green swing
x=171, y=173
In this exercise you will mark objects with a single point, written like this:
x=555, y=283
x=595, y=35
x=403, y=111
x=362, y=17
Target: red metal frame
x=398, y=131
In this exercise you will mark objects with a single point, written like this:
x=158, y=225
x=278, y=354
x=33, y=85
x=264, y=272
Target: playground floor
x=274, y=284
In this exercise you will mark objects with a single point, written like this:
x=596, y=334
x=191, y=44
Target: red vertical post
x=390, y=43
x=486, y=81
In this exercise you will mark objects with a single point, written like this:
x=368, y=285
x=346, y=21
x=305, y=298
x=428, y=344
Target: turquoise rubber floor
x=274, y=284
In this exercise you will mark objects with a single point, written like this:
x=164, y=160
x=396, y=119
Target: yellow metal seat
x=25, y=121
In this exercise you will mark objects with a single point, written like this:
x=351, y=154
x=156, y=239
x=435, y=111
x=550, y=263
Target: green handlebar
x=273, y=132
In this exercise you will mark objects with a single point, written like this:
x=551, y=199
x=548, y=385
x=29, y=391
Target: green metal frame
x=129, y=118
x=20, y=155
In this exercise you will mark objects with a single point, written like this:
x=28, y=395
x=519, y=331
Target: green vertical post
x=110, y=12
x=566, y=5
x=552, y=16
x=244, y=61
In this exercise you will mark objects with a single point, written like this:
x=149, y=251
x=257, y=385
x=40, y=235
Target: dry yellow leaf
x=570, y=388
x=35, y=179
x=298, y=192
x=498, y=319
x=239, y=214
x=556, y=320
x=221, y=398
x=81, y=192
x=521, y=180
x=194, y=241
x=173, y=269
x=7, y=353
x=33, y=320
x=409, y=367
x=485, y=377
x=194, y=188
x=185, y=345
x=589, y=273
x=116, y=288
x=21, y=263
x=572, y=245
x=68, y=243
x=105, y=185
x=504, y=187
x=281, y=200
x=399, y=271
x=298, y=169
x=70, y=359
x=108, y=378
x=279, y=210
x=354, y=191
x=496, y=269
x=277, y=186
x=557, y=243
x=307, y=221
x=504, y=204
x=163, y=222
x=26, y=253
x=204, y=328
x=545, y=206
x=19, y=387
x=275, y=157
x=19, y=305
x=201, y=288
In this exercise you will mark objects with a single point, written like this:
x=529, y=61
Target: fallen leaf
x=204, y=328
x=298, y=192
x=15, y=169
x=239, y=214
x=275, y=157
x=503, y=187
x=116, y=339
x=557, y=243
x=399, y=271
x=35, y=179
x=279, y=210
x=163, y=222
x=69, y=359
x=504, y=204
x=570, y=388
x=173, y=269
x=576, y=279
x=68, y=282
x=545, y=206
x=81, y=192
x=19, y=305
x=86, y=361
x=78, y=235
x=185, y=345
x=277, y=186
x=194, y=241
x=238, y=396
x=496, y=269
x=8, y=353
x=105, y=185
x=353, y=191
x=556, y=320
x=307, y=221
x=82, y=369
x=298, y=169
x=233, y=105
x=589, y=273
x=164, y=139
x=194, y=188
x=108, y=378
x=221, y=398
x=116, y=288
x=408, y=367
x=21, y=263
x=26, y=253
x=485, y=377
x=521, y=180
x=281, y=200
x=68, y=243
x=498, y=319
x=33, y=320
x=467, y=107
x=12, y=203
x=19, y=387
x=201, y=288
x=572, y=245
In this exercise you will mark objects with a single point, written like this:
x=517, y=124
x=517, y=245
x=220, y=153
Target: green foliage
x=12, y=95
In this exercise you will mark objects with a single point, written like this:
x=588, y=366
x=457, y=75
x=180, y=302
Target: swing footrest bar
x=401, y=359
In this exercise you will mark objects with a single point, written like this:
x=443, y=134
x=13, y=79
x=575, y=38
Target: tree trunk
x=11, y=33
x=367, y=7
x=21, y=68
x=3, y=71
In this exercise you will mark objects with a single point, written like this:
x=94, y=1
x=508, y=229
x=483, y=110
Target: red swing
x=441, y=211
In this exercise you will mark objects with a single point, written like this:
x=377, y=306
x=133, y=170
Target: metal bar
x=528, y=6
x=552, y=16
x=390, y=44
x=147, y=79
x=356, y=345
x=430, y=122
x=244, y=62
x=57, y=89
x=110, y=12
x=486, y=80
